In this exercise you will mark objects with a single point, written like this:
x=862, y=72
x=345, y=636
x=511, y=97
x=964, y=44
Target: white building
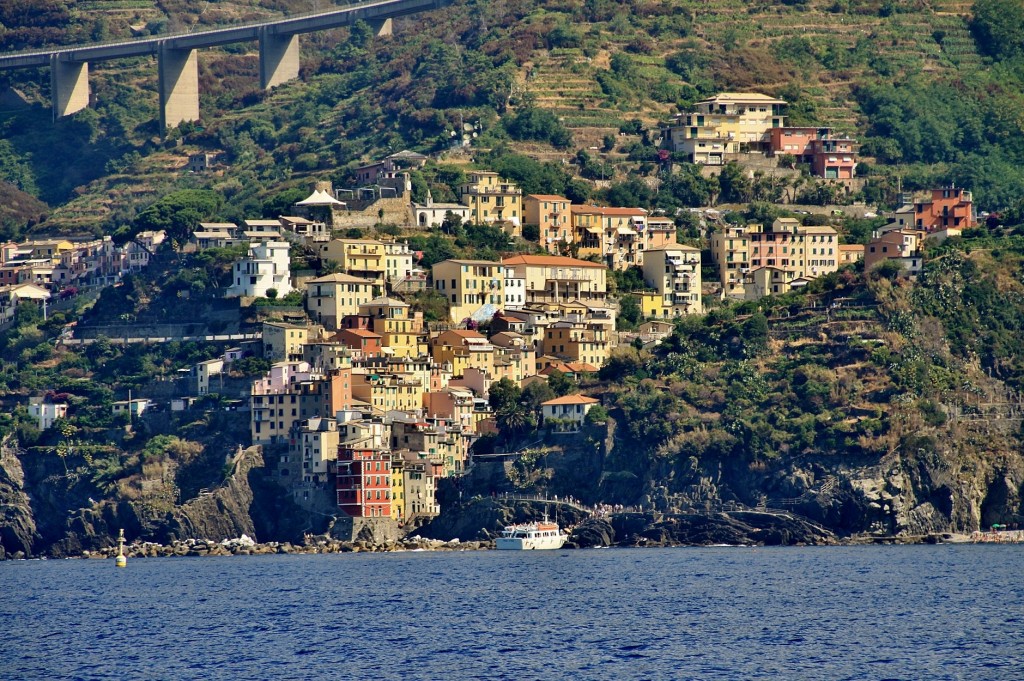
x=46, y=412
x=398, y=261
x=432, y=214
x=570, y=411
x=674, y=273
x=515, y=289
x=265, y=268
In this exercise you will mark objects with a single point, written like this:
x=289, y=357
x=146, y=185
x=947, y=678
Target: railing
x=193, y=34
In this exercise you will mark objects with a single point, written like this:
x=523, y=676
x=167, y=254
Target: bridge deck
x=305, y=23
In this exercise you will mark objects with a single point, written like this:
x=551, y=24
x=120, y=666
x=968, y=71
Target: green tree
x=998, y=27
x=180, y=212
x=560, y=383
x=630, y=313
x=503, y=393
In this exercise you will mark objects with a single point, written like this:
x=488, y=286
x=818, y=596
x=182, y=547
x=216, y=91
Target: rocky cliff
x=17, y=526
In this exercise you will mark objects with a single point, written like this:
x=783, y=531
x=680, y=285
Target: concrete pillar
x=179, y=86
x=69, y=85
x=382, y=27
x=279, y=58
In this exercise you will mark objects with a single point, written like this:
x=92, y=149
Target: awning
x=592, y=230
x=319, y=198
x=625, y=231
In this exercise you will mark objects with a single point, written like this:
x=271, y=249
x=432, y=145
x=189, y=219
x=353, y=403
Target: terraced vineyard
x=761, y=46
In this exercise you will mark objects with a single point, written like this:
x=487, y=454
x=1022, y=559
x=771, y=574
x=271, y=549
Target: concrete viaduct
x=177, y=63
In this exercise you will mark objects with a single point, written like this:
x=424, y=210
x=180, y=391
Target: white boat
x=531, y=536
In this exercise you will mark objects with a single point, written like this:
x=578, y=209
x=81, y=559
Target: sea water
x=919, y=612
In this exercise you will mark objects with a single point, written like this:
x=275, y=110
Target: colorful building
x=556, y=278
x=331, y=297
x=610, y=234
x=493, y=200
x=725, y=124
x=730, y=251
x=674, y=274
x=551, y=214
x=901, y=245
x=948, y=207
x=364, y=482
x=475, y=288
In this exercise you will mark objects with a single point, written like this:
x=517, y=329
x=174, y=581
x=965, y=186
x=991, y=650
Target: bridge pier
x=279, y=57
x=179, y=85
x=382, y=27
x=69, y=85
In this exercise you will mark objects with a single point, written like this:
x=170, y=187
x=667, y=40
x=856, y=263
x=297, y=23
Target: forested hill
x=934, y=89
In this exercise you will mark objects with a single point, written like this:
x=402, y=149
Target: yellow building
x=397, y=486
x=283, y=342
x=493, y=200
x=48, y=248
x=806, y=250
x=556, y=278
x=475, y=289
x=331, y=297
x=364, y=258
x=674, y=274
x=463, y=349
x=400, y=329
x=611, y=234
x=388, y=392
x=551, y=215
x=768, y=281
x=576, y=343
x=725, y=124
x=730, y=251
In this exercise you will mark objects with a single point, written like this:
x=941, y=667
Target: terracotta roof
x=339, y=278
x=547, y=197
x=570, y=399
x=468, y=262
x=605, y=210
x=362, y=333
x=385, y=301
x=582, y=367
x=742, y=97
x=465, y=333
x=550, y=260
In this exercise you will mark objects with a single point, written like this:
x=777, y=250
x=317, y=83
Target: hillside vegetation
x=933, y=93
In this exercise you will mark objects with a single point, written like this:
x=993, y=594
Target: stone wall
x=397, y=211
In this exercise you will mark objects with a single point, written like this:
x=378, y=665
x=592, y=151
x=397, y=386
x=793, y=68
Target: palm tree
x=514, y=420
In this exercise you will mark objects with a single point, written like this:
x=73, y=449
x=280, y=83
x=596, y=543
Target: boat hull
x=529, y=543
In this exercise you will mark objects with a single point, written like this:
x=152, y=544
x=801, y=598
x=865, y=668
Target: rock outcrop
x=698, y=529
x=18, y=534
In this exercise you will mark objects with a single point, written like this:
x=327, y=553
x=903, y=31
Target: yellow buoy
x=120, y=561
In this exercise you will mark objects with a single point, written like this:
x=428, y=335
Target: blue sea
x=918, y=612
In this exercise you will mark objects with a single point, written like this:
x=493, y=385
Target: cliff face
x=18, y=533
x=244, y=504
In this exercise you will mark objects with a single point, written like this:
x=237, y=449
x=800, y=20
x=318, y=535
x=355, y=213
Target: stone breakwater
x=242, y=547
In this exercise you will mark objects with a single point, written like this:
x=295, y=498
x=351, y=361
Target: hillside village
x=366, y=404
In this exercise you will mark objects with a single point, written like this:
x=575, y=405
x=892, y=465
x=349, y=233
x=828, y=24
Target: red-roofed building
x=364, y=482
x=551, y=215
x=567, y=413
x=556, y=278
x=609, y=233
x=364, y=342
x=949, y=207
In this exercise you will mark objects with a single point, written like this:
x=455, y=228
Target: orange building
x=551, y=215
x=364, y=482
x=831, y=157
x=949, y=207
